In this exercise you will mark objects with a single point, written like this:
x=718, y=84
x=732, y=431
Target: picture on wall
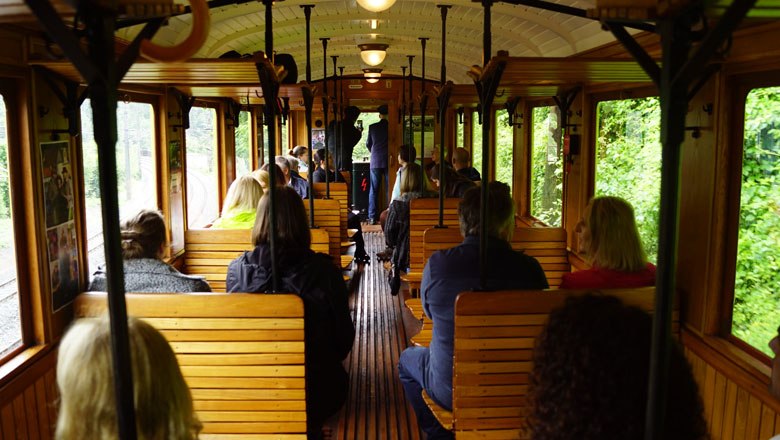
x=58, y=190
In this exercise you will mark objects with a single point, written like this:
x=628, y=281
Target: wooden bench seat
x=495, y=335
x=242, y=356
x=209, y=251
x=338, y=192
x=423, y=215
x=327, y=217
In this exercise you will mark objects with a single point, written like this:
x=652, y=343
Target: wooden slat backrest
x=495, y=334
x=327, y=216
x=423, y=215
x=210, y=251
x=242, y=356
x=547, y=245
x=338, y=191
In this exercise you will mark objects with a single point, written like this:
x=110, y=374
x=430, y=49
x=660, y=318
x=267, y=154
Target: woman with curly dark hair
x=590, y=376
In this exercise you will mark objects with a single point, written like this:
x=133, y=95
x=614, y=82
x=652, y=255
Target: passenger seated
x=295, y=164
x=85, y=379
x=590, y=376
x=608, y=236
x=435, y=161
x=461, y=161
x=263, y=176
x=297, y=183
x=240, y=206
x=316, y=279
x=456, y=185
x=143, y=246
x=302, y=154
x=450, y=272
x=397, y=225
x=319, y=174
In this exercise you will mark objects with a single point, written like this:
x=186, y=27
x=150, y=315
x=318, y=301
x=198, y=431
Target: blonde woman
x=240, y=207
x=143, y=246
x=608, y=236
x=163, y=403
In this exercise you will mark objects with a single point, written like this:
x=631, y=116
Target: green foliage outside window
x=628, y=161
x=460, y=140
x=546, y=166
x=757, y=284
x=504, y=148
x=243, y=144
x=476, y=144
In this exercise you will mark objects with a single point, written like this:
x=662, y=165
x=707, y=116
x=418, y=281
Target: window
x=243, y=141
x=628, y=160
x=756, y=305
x=361, y=153
x=284, y=134
x=201, y=150
x=504, y=148
x=546, y=165
x=10, y=317
x=460, y=140
x=136, y=177
x=476, y=143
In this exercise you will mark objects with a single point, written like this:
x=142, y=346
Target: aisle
x=376, y=408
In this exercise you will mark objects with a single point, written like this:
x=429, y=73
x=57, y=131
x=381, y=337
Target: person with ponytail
x=143, y=246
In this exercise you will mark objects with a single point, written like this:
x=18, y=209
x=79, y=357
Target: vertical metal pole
x=411, y=107
x=103, y=96
x=309, y=104
x=337, y=120
x=403, y=104
x=271, y=121
x=341, y=106
x=442, y=112
x=307, y=13
x=486, y=120
x=675, y=43
x=325, y=109
x=423, y=103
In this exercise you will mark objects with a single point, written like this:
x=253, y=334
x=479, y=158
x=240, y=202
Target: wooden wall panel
x=732, y=412
x=28, y=409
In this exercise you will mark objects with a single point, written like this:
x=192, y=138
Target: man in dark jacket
x=377, y=145
x=342, y=138
x=450, y=272
x=461, y=161
x=291, y=178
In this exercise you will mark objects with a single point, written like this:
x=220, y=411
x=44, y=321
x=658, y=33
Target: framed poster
x=62, y=248
x=317, y=139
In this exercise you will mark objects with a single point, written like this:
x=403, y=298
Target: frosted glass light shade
x=372, y=75
x=375, y=5
x=373, y=54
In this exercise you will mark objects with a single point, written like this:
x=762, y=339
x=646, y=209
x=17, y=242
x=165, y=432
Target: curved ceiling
x=521, y=30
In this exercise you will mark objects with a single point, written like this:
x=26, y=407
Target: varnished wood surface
x=252, y=384
x=494, y=338
x=376, y=408
x=29, y=402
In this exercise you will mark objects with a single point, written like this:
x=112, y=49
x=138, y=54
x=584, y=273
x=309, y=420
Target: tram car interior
x=110, y=108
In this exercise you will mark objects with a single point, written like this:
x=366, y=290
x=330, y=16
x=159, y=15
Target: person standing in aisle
x=377, y=145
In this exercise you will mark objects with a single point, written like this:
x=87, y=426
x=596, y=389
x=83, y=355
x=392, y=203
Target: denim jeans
x=413, y=371
x=377, y=174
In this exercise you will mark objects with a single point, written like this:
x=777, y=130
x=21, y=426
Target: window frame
x=35, y=318
x=743, y=85
x=219, y=159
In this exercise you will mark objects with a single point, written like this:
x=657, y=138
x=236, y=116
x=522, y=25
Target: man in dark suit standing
x=377, y=145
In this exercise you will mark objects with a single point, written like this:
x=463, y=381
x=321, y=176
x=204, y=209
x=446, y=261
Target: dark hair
x=590, y=376
x=280, y=180
x=299, y=151
x=143, y=235
x=351, y=113
x=292, y=228
x=500, y=214
x=407, y=153
x=457, y=184
x=382, y=109
x=319, y=156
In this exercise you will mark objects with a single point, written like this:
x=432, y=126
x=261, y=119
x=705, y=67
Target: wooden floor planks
x=376, y=407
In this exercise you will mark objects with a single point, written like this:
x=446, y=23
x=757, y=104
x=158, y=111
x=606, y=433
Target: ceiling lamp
x=372, y=75
x=375, y=5
x=373, y=53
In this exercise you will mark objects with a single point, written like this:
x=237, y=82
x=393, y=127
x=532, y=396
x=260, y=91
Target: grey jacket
x=151, y=275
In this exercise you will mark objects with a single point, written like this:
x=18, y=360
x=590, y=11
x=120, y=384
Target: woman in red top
x=608, y=236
